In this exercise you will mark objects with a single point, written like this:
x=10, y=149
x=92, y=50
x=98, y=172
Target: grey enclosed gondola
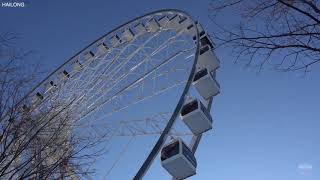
x=39, y=96
x=127, y=35
x=88, y=55
x=64, y=75
x=50, y=86
x=25, y=108
x=140, y=29
x=206, y=84
x=163, y=21
x=115, y=40
x=195, y=115
x=102, y=48
x=185, y=22
x=152, y=25
x=77, y=66
x=179, y=23
x=207, y=57
x=178, y=160
x=174, y=22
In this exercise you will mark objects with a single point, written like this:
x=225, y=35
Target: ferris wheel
x=145, y=88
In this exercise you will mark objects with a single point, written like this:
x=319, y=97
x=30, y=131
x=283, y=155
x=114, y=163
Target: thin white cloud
x=305, y=168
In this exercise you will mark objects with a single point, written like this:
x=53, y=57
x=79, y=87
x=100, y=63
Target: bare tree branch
x=283, y=34
x=37, y=142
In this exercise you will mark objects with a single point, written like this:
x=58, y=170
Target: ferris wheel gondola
x=207, y=57
x=206, y=84
x=196, y=116
x=178, y=160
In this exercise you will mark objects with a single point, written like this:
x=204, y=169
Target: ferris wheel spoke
x=145, y=95
x=147, y=41
x=122, y=50
x=117, y=81
x=108, y=67
x=105, y=114
x=133, y=83
x=118, y=157
x=85, y=82
x=109, y=76
x=153, y=125
x=144, y=98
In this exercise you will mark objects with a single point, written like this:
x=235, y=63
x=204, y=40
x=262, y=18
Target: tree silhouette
x=282, y=34
x=37, y=140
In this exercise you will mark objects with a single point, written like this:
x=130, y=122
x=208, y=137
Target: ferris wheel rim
x=100, y=38
x=161, y=140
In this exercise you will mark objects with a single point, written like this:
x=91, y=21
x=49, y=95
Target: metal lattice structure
x=129, y=67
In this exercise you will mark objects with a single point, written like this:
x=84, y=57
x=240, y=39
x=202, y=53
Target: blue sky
x=266, y=124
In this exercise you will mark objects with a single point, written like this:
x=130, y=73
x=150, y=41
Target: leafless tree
x=37, y=141
x=282, y=34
